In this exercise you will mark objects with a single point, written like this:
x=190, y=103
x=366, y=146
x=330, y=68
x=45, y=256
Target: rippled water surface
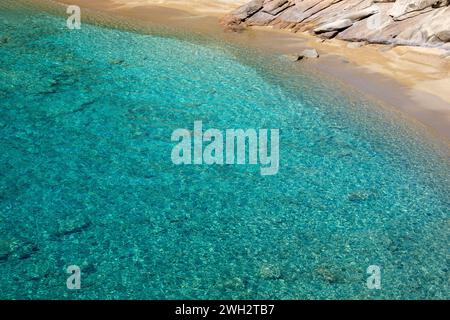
x=86, y=176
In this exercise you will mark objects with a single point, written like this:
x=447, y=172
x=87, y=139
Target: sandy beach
x=413, y=80
x=216, y=7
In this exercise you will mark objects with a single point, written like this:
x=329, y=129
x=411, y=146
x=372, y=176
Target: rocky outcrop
x=398, y=22
x=402, y=7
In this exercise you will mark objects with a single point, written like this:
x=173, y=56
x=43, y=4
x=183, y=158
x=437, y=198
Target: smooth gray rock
x=361, y=14
x=444, y=35
x=310, y=53
x=334, y=26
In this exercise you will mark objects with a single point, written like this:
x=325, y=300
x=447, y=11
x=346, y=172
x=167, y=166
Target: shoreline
x=411, y=80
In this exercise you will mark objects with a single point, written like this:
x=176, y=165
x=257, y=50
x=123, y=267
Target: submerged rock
x=88, y=267
x=233, y=284
x=25, y=250
x=72, y=225
x=328, y=275
x=270, y=272
x=14, y=248
x=117, y=61
x=358, y=196
x=5, y=250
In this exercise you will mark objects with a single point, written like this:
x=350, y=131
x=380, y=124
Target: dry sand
x=413, y=80
x=210, y=7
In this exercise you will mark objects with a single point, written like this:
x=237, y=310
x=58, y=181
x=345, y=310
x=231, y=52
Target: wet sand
x=414, y=80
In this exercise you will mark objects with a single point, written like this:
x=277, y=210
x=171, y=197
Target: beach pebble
x=309, y=53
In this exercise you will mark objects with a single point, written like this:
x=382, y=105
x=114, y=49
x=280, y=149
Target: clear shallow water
x=86, y=176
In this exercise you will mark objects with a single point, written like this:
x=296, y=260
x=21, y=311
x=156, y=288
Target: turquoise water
x=86, y=176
